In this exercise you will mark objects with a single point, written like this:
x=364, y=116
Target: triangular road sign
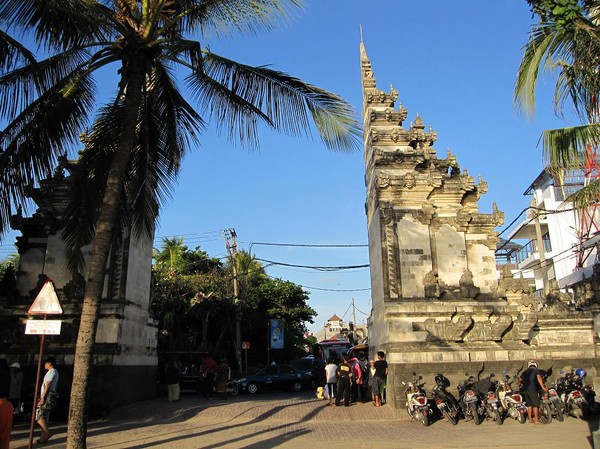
x=46, y=301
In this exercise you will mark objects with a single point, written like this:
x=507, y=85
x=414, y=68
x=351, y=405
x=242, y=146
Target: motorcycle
x=512, y=403
x=417, y=405
x=469, y=400
x=551, y=399
x=587, y=390
x=569, y=388
x=486, y=389
x=444, y=400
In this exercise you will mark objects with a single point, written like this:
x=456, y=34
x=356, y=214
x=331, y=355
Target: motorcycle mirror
x=492, y=375
x=414, y=373
x=466, y=373
x=562, y=372
x=420, y=377
x=504, y=371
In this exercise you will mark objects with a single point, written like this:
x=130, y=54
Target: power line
x=320, y=268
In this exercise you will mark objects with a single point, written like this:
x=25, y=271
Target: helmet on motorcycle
x=581, y=373
x=442, y=380
x=532, y=363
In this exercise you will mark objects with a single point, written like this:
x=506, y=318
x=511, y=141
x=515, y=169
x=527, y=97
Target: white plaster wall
x=482, y=263
x=414, y=255
x=139, y=272
x=451, y=254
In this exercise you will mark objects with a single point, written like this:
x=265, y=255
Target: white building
x=558, y=244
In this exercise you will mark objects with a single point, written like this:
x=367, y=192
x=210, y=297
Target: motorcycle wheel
x=578, y=411
x=560, y=416
x=522, y=418
x=425, y=420
x=497, y=417
x=450, y=417
x=545, y=413
x=476, y=416
x=233, y=391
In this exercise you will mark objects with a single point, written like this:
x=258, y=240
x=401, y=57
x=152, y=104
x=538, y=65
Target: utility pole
x=542, y=251
x=231, y=245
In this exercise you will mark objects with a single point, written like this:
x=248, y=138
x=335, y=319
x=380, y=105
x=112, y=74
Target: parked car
x=275, y=377
x=315, y=368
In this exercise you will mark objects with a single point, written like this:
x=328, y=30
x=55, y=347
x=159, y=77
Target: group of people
x=212, y=376
x=351, y=379
x=11, y=382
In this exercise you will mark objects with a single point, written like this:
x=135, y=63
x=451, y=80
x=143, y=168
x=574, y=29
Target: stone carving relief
x=467, y=285
x=491, y=329
x=522, y=327
x=454, y=329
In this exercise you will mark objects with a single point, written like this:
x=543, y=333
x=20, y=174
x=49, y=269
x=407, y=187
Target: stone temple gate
x=438, y=305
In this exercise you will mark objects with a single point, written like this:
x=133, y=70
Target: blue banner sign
x=276, y=334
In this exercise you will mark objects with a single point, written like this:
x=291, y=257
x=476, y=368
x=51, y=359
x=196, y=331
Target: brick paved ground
x=283, y=420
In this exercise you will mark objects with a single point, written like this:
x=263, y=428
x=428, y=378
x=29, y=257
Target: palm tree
x=566, y=41
x=172, y=256
x=136, y=142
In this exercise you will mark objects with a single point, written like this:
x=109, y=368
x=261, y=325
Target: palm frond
x=21, y=86
x=168, y=124
x=88, y=182
x=288, y=102
x=585, y=197
x=222, y=18
x=59, y=23
x=566, y=147
x=13, y=53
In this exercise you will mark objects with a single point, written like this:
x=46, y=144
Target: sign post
x=46, y=302
x=245, y=347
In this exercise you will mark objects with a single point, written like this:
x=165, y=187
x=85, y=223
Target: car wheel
x=296, y=386
x=252, y=388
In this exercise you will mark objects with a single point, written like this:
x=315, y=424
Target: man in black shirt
x=344, y=373
x=381, y=372
x=532, y=383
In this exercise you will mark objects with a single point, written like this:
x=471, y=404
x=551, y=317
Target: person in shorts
x=48, y=399
x=532, y=383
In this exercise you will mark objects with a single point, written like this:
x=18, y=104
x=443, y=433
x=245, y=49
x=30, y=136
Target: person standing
x=172, y=381
x=222, y=376
x=330, y=379
x=532, y=383
x=6, y=410
x=381, y=372
x=48, y=398
x=16, y=384
x=208, y=368
x=357, y=381
x=344, y=374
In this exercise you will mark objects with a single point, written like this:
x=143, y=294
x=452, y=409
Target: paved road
x=300, y=421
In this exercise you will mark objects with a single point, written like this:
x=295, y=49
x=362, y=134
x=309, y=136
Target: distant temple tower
x=437, y=302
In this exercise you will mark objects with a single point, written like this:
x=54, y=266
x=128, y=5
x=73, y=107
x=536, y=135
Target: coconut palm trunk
x=83, y=363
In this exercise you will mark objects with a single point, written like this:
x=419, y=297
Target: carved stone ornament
x=383, y=180
x=522, y=327
x=467, y=286
x=448, y=330
x=490, y=330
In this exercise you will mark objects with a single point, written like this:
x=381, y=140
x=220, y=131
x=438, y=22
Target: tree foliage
x=566, y=42
x=196, y=310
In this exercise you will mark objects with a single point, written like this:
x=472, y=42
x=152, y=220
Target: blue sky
x=453, y=63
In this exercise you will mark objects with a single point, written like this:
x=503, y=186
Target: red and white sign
x=43, y=327
x=245, y=345
x=46, y=302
